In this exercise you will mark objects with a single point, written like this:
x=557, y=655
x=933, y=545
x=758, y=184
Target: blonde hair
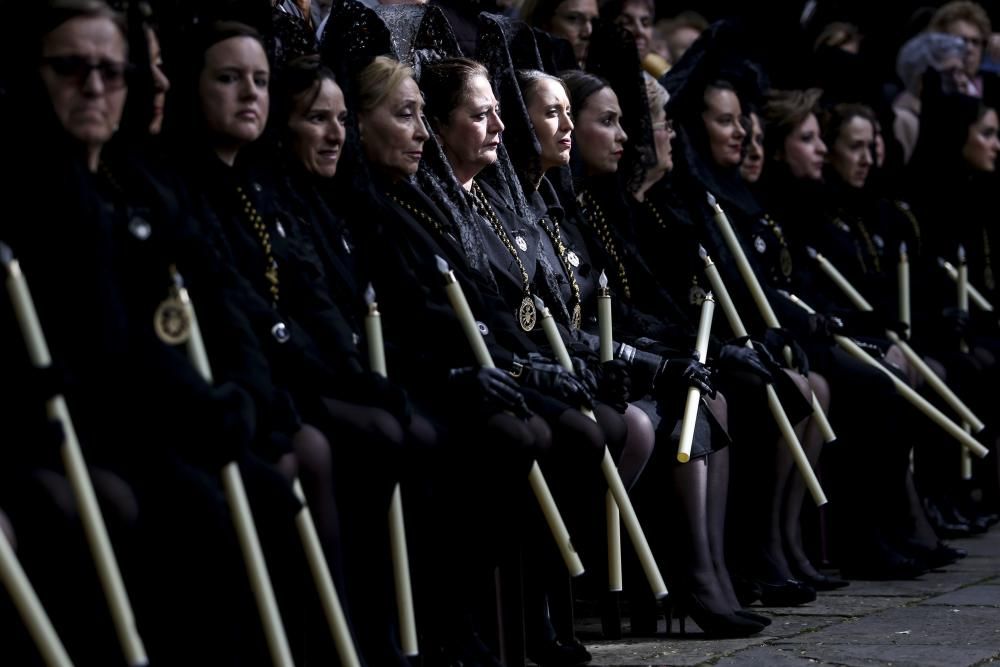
x=379, y=79
x=655, y=93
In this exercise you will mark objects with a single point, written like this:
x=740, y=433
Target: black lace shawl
x=612, y=55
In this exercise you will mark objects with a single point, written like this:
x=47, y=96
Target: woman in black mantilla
x=707, y=91
x=958, y=156
x=540, y=115
x=489, y=436
x=522, y=264
x=132, y=392
x=794, y=192
x=701, y=573
x=357, y=426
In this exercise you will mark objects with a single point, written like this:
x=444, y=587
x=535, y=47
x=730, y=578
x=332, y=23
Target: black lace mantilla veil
x=613, y=56
x=720, y=54
x=414, y=35
x=499, y=37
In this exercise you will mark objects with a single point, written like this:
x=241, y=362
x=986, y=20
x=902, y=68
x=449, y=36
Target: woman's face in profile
x=804, y=151
x=549, y=110
x=722, y=124
x=393, y=133
x=753, y=160
x=599, y=133
x=472, y=134
x=982, y=144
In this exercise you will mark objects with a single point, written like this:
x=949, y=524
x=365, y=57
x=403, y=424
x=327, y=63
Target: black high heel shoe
x=819, y=581
x=714, y=625
x=789, y=593
x=756, y=618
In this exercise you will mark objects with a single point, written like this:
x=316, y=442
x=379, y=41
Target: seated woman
x=699, y=573
x=796, y=154
x=356, y=425
x=125, y=372
x=958, y=156
x=489, y=437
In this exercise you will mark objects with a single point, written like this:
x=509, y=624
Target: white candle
x=962, y=289
x=905, y=390
x=743, y=264
x=693, y=395
x=777, y=411
x=612, y=516
x=30, y=607
x=763, y=305
x=76, y=470
x=373, y=334
x=239, y=507
x=535, y=478
x=974, y=294
x=464, y=314
x=936, y=383
x=610, y=471
x=903, y=275
x=604, y=317
x=397, y=525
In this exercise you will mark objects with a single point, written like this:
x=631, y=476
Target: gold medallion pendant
x=786, y=262
x=172, y=321
x=577, y=316
x=526, y=314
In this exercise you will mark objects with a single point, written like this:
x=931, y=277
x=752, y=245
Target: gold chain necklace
x=419, y=213
x=526, y=313
x=271, y=272
x=872, y=252
x=604, y=233
x=576, y=312
x=784, y=254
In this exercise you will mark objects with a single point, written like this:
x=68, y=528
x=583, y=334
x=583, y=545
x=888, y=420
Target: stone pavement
x=949, y=617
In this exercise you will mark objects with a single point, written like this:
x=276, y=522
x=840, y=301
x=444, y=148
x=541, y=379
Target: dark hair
x=301, y=76
x=219, y=31
x=444, y=82
x=785, y=110
x=833, y=120
x=528, y=80
x=581, y=86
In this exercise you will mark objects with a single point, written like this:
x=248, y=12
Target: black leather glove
x=955, y=322
x=735, y=355
x=492, y=387
x=614, y=384
x=691, y=371
x=776, y=339
x=825, y=326
x=551, y=378
x=374, y=389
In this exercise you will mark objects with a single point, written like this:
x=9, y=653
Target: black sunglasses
x=113, y=74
